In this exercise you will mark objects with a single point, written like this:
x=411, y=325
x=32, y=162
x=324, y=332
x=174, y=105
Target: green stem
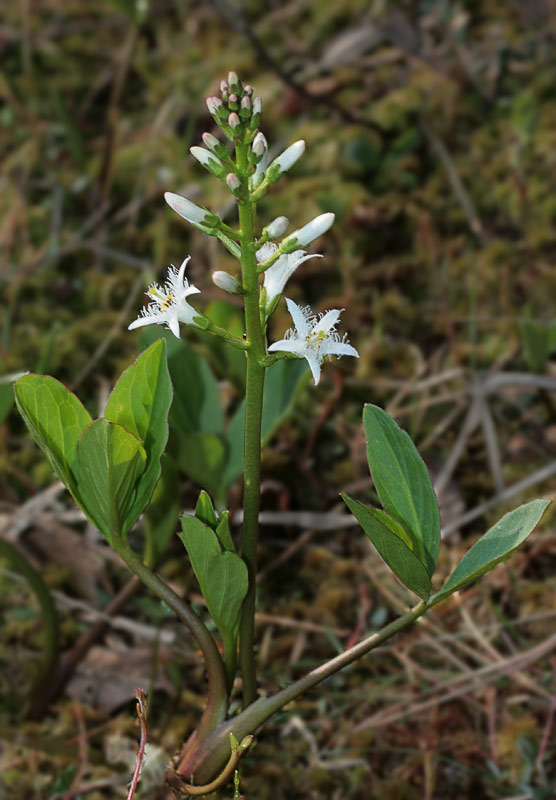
x=230, y=659
x=252, y=445
x=214, y=751
x=49, y=623
x=217, y=695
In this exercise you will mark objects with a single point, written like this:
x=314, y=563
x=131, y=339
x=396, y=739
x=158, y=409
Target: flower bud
x=234, y=83
x=308, y=233
x=234, y=121
x=191, y=212
x=266, y=251
x=259, y=148
x=245, y=108
x=226, y=282
x=208, y=160
x=215, y=106
x=234, y=183
x=223, y=86
x=257, y=110
x=210, y=142
x=276, y=228
x=260, y=156
x=233, y=102
x=248, y=90
x=285, y=160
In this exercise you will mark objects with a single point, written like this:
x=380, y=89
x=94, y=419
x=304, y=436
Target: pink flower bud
x=210, y=141
x=234, y=183
x=215, y=105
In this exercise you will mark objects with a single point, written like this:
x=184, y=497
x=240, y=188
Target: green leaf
x=228, y=361
x=201, y=456
x=403, y=484
x=283, y=382
x=494, y=546
x=161, y=515
x=140, y=402
x=204, y=510
x=394, y=546
x=222, y=575
x=110, y=461
x=539, y=340
x=224, y=533
x=196, y=407
x=56, y=419
x=7, y=396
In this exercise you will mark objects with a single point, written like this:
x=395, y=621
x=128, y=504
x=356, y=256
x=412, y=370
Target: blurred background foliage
x=431, y=134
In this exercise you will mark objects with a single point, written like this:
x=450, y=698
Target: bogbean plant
x=111, y=465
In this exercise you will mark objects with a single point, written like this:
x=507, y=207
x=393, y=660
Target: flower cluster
x=237, y=113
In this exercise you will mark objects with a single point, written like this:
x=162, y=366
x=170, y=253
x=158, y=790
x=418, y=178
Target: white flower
x=169, y=306
x=314, y=337
x=276, y=276
x=305, y=235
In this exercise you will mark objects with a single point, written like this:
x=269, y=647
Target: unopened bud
x=259, y=151
x=259, y=146
x=208, y=160
x=189, y=211
x=285, y=160
x=233, y=102
x=257, y=110
x=234, y=121
x=215, y=106
x=248, y=90
x=234, y=183
x=226, y=282
x=308, y=233
x=223, y=86
x=276, y=228
x=211, y=142
x=245, y=108
x=234, y=83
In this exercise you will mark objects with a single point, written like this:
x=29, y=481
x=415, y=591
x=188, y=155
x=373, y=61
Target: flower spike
x=169, y=304
x=314, y=337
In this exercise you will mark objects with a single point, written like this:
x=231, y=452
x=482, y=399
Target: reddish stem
x=141, y=713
